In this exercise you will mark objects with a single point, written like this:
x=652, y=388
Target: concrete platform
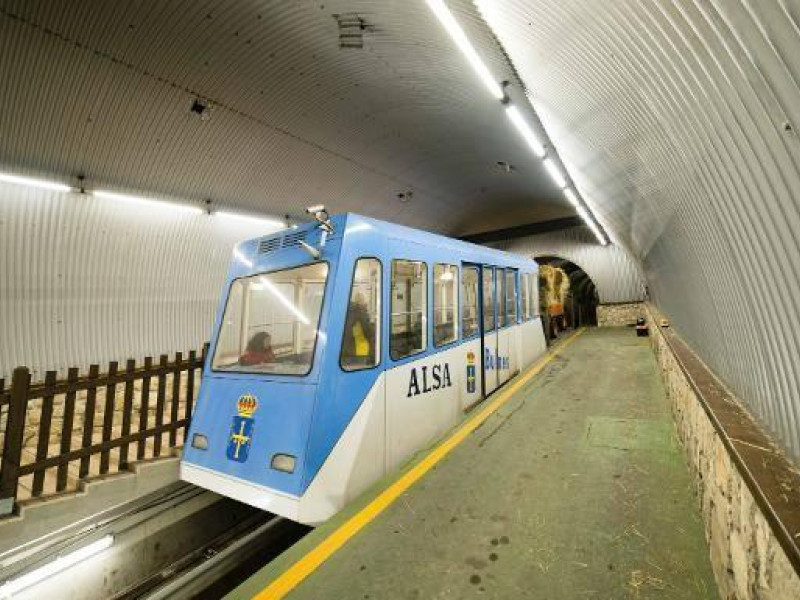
x=573, y=488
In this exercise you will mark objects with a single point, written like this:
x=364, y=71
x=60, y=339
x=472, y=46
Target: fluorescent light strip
x=572, y=197
x=555, y=173
x=146, y=201
x=35, y=183
x=591, y=225
x=449, y=22
x=525, y=131
x=252, y=219
x=12, y=586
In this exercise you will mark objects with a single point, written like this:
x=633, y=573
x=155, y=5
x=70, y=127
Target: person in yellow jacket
x=357, y=348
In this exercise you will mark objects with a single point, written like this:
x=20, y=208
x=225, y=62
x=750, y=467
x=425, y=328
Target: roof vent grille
x=293, y=239
x=269, y=245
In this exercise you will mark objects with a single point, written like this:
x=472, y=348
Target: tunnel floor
x=575, y=488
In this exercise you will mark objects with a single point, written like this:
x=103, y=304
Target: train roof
x=344, y=223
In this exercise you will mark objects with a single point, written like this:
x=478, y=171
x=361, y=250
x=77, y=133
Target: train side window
x=511, y=297
x=501, y=298
x=409, y=308
x=469, y=301
x=533, y=292
x=488, y=299
x=445, y=304
x=523, y=296
x=361, y=339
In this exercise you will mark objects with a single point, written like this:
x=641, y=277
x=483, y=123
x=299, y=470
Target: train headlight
x=283, y=462
x=199, y=441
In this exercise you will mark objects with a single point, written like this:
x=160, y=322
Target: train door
x=489, y=328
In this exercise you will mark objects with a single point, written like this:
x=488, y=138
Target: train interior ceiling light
x=537, y=145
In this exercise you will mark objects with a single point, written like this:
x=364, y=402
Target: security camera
x=321, y=215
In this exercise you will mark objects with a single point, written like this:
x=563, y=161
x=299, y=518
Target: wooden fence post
x=88, y=419
x=66, y=429
x=144, y=408
x=187, y=413
x=176, y=398
x=108, y=415
x=45, y=419
x=15, y=433
x=160, y=399
x=127, y=413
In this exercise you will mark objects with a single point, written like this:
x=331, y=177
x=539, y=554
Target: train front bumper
x=294, y=508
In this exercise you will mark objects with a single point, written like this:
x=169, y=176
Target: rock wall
x=615, y=315
x=749, y=562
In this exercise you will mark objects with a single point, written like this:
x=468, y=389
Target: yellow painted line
x=306, y=565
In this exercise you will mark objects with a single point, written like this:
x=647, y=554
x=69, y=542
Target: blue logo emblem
x=470, y=373
x=242, y=429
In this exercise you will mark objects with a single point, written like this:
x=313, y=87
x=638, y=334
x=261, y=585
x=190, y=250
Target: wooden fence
x=58, y=432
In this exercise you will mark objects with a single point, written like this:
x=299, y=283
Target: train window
x=409, y=308
x=533, y=293
x=511, y=297
x=361, y=340
x=445, y=304
x=270, y=322
x=523, y=296
x=488, y=299
x=469, y=301
x=501, y=295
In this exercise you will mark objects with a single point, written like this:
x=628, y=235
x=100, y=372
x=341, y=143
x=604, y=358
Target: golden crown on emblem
x=247, y=405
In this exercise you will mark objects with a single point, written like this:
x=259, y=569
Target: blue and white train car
x=341, y=349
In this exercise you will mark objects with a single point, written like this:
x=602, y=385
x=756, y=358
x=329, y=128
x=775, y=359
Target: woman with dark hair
x=259, y=350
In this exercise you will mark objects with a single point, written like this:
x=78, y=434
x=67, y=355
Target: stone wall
x=749, y=562
x=615, y=315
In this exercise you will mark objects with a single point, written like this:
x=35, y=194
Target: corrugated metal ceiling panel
x=105, y=90
x=613, y=270
x=678, y=118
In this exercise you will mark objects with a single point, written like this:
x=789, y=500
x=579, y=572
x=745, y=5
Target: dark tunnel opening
x=567, y=296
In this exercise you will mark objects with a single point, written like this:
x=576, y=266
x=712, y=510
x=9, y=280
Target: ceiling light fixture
x=555, y=173
x=159, y=204
x=274, y=223
x=537, y=143
x=591, y=225
x=525, y=131
x=449, y=22
x=35, y=183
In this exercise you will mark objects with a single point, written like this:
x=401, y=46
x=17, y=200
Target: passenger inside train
x=259, y=350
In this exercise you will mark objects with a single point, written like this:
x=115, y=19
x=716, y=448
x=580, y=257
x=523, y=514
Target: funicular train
x=342, y=348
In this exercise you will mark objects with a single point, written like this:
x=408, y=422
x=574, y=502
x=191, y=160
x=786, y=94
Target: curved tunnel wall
x=611, y=268
x=679, y=121
x=87, y=281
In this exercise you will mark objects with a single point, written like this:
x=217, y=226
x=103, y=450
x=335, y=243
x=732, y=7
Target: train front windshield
x=271, y=322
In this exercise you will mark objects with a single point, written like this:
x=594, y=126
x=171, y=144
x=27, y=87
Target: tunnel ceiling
x=268, y=106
